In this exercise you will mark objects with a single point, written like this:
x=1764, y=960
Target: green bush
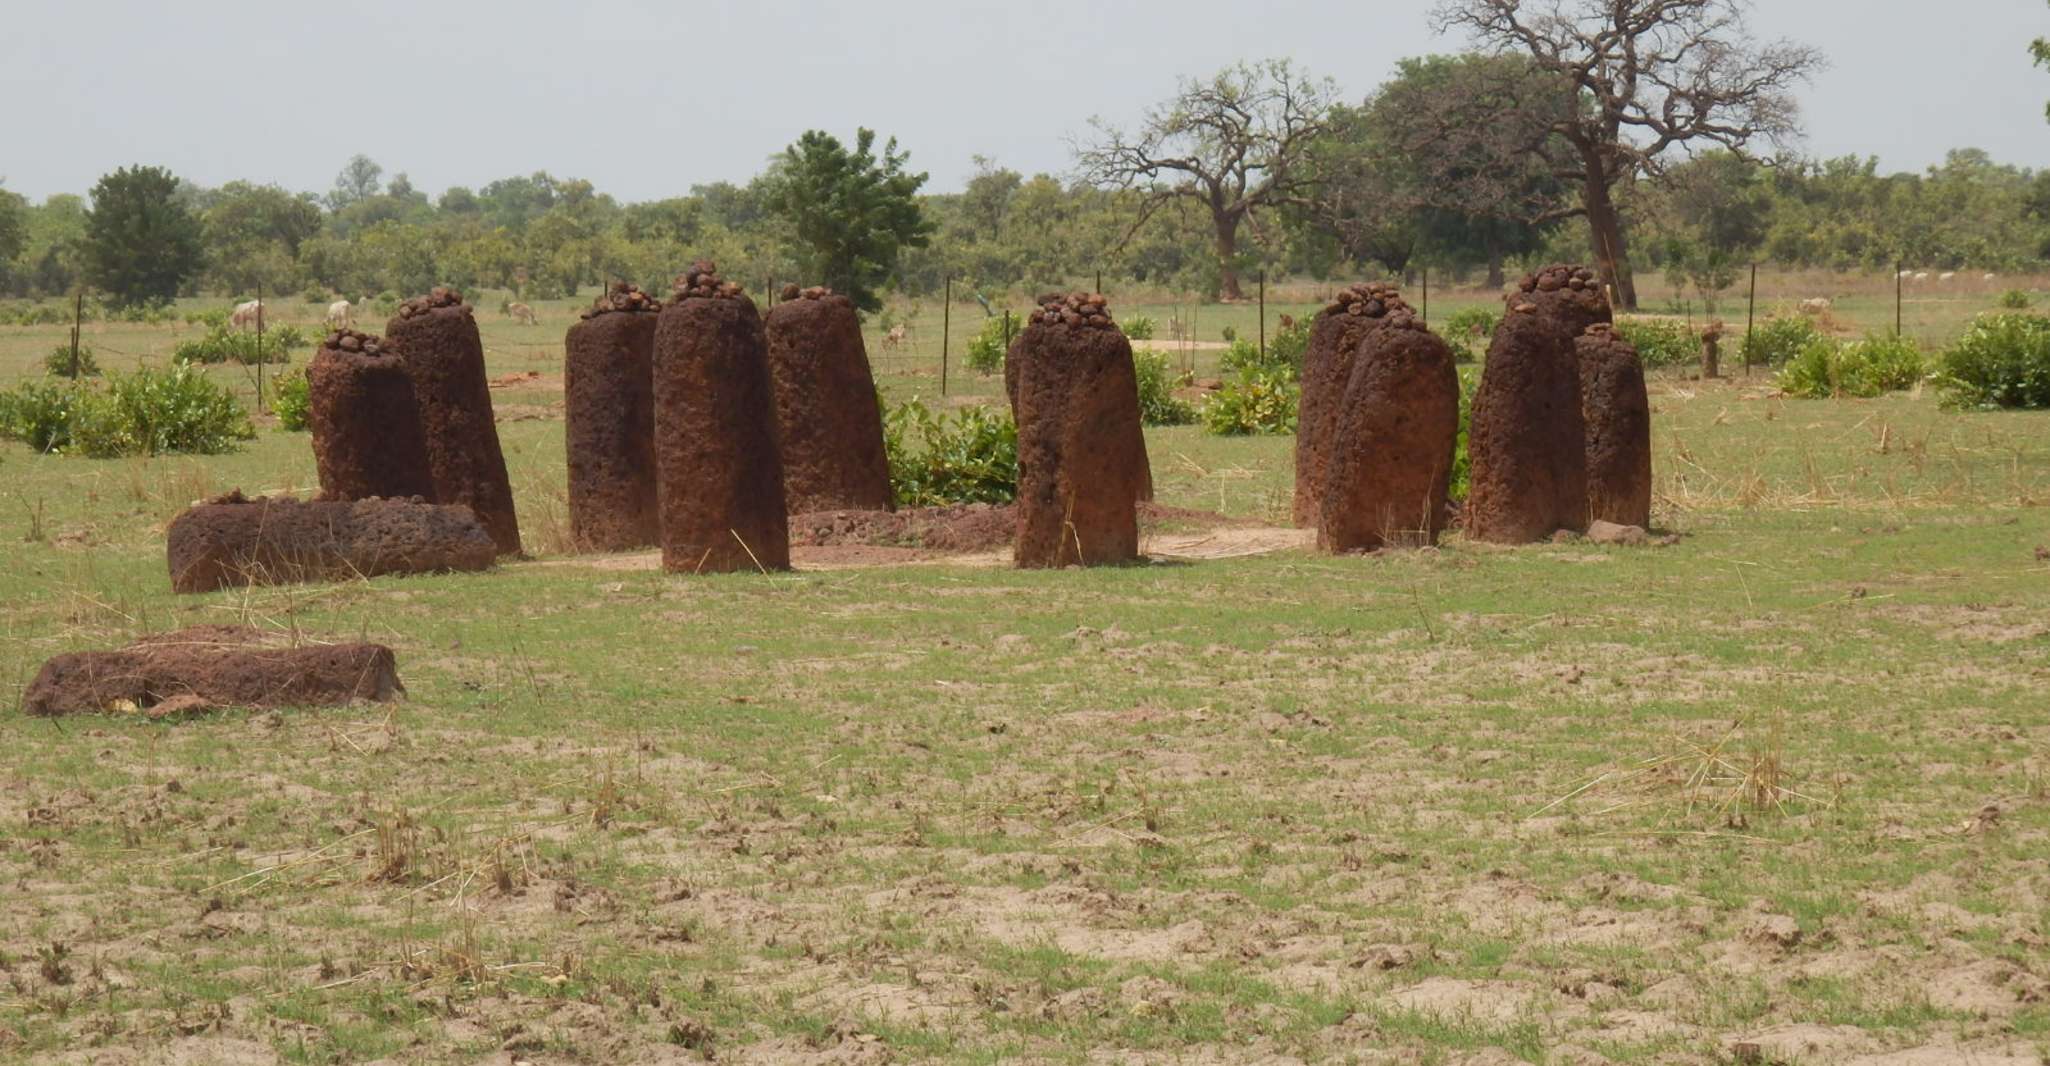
x=2002, y=360
x=1139, y=328
x=1284, y=353
x=1462, y=468
x=155, y=412
x=1469, y=331
x=224, y=345
x=1157, y=403
x=292, y=400
x=1660, y=342
x=1862, y=369
x=1779, y=340
x=1256, y=401
x=40, y=413
x=154, y=313
x=1230, y=334
x=2016, y=300
x=986, y=348
x=971, y=457
x=58, y=362
x=211, y=318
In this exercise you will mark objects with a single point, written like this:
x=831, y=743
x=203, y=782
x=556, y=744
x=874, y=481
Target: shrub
x=292, y=400
x=1284, y=354
x=149, y=412
x=154, y=412
x=986, y=349
x=58, y=362
x=224, y=345
x=2016, y=300
x=1779, y=340
x=316, y=296
x=1157, y=403
x=1230, y=334
x=153, y=313
x=1865, y=368
x=1461, y=480
x=1139, y=328
x=39, y=413
x=2002, y=360
x=1660, y=342
x=971, y=457
x=211, y=318
x=1257, y=401
x=1468, y=332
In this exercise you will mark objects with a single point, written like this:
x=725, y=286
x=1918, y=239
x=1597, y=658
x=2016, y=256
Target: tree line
x=1636, y=134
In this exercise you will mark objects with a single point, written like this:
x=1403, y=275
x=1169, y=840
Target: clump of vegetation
x=1462, y=467
x=1862, y=369
x=1779, y=340
x=153, y=313
x=1258, y=400
x=1660, y=342
x=2002, y=360
x=211, y=317
x=1158, y=405
x=986, y=348
x=59, y=361
x=292, y=401
x=2017, y=300
x=224, y=345
x=149, y=412
x=1284, y=352
x=1468, y=332
x=1139, y=328
x=970, y=457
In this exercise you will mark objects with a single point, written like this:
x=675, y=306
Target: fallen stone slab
x=232, y=541
x=203, y=666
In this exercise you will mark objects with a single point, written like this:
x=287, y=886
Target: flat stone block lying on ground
x=231, y=541
x=195, y=668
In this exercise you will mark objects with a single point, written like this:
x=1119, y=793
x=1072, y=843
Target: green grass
x=1286, y=805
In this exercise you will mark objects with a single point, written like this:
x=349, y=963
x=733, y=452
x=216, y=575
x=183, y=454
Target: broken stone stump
x=1335, y=338
x=192, y=669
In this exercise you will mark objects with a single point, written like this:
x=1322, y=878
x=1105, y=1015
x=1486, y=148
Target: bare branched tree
x=1234, y=144
x=1646, y=76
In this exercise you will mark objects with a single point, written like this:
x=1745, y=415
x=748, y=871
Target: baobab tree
x=1235, y=144
x=1645, y=76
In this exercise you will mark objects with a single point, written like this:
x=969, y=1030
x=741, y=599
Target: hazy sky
x=647, y=99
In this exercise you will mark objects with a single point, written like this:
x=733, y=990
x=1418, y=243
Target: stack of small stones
x=1560, y=276
x=1074, y=309
x=349, y=340
x=1372, y=299
x=815, y=292
x=702, y=281
x=439, y=296
x=622, y=297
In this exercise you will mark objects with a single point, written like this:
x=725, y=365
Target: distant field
x=1778, y=792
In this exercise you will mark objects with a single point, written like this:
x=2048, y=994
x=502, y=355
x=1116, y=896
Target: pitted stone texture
x=231, y=541
x=1392, y=443
x=212, y=665
x=436, y=336
x=1527, y=441
x=365, y=421
x=1617, y=415
x=608, y=382
x=828, y=422
x=1081, y=447
x=1335, y=338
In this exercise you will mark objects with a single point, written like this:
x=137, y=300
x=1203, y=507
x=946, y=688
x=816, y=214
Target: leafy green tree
x=252, y=235
x=141, y=242
x=360, y=178
x=852, y=212
x=13, y=237
x=2039, y=50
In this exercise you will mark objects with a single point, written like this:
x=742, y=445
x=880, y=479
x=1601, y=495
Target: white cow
x=1905, y=274
x=341, y=313
x=1948, y=275
x=1921, y=275
x=245, y=315
x=1815, y=305
x=520, y=313
x=1989, y=277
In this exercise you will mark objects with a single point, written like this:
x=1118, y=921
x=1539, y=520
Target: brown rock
x=828, y=423
x=719, y=472
x=1100, y=320
x=1527, y=440
x=608, y=384
x=212, y=665
x=1335, y=338
x=231, y=541
x=1391, y=443
x=365, y=422
x=1617, y=416
x=1081, y=447
x=437, y=340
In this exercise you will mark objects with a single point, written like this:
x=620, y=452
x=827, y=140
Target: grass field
x=1779, y=791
